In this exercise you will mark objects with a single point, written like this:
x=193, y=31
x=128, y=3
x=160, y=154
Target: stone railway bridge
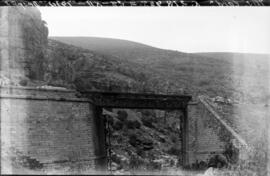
x=58, y=128
x=55, y=128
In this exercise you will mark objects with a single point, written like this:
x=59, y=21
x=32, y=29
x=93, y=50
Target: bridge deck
x=138, y=100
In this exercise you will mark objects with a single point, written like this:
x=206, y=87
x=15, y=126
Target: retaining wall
x=209, y=134
x=52, y=128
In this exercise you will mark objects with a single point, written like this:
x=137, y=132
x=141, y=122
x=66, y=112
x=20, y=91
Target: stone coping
x=5, y=96
x=46, y=94
x=72, y=92
x=53, y=89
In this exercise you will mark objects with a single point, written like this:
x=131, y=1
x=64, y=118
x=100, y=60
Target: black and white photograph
x=120, y=90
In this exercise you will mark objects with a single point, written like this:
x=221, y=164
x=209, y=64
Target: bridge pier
x=99, y=139
x=184, y=137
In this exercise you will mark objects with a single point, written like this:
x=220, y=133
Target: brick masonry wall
x=210, y=135
x=203, y=139
x=54, y=133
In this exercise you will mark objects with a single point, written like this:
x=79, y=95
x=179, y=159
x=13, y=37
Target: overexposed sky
x=187, y=29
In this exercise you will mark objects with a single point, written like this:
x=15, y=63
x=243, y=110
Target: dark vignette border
x=135, y=3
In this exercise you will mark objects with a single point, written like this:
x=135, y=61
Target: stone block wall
x=210, y=135
x=204, y=142
x=50, y=128
x=23, y=42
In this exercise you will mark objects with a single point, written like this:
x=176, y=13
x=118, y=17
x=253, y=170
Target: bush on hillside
x=122, y=115
x=174, y=151
x=133, y=139
x=118, y=125
x=218, y=161
x=174, y=138
x=147, y=113
x=133, y=124
x=23, y=82
x=147, y=121
x=152, y=166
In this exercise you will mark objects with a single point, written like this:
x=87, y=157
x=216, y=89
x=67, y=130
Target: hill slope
x=121, y=49
x=71, y=66
x=216, y=74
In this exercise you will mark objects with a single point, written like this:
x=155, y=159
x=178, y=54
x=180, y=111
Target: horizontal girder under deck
x=137, y=100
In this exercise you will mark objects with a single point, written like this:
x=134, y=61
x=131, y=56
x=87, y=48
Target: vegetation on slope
x=79, y=68
x=231, y=75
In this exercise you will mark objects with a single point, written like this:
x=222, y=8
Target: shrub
x=118, y=125
x=147, y=113
x=140, y=152
x=136, y=124
x=153, y=165
x=218, y=161
x=122, y=115
x=174, y=151
x=174, y=138
x=23, y=82
x=30, y=163
x=161, y=139
x=134, y=162
x=132, y=124
x=133, y=139
x=147, y=122
x=115, y=158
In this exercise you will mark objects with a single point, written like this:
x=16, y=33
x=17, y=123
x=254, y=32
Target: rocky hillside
x=82, y=69
x=142, y=141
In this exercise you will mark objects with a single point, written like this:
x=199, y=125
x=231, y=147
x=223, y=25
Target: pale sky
x=187, y=29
